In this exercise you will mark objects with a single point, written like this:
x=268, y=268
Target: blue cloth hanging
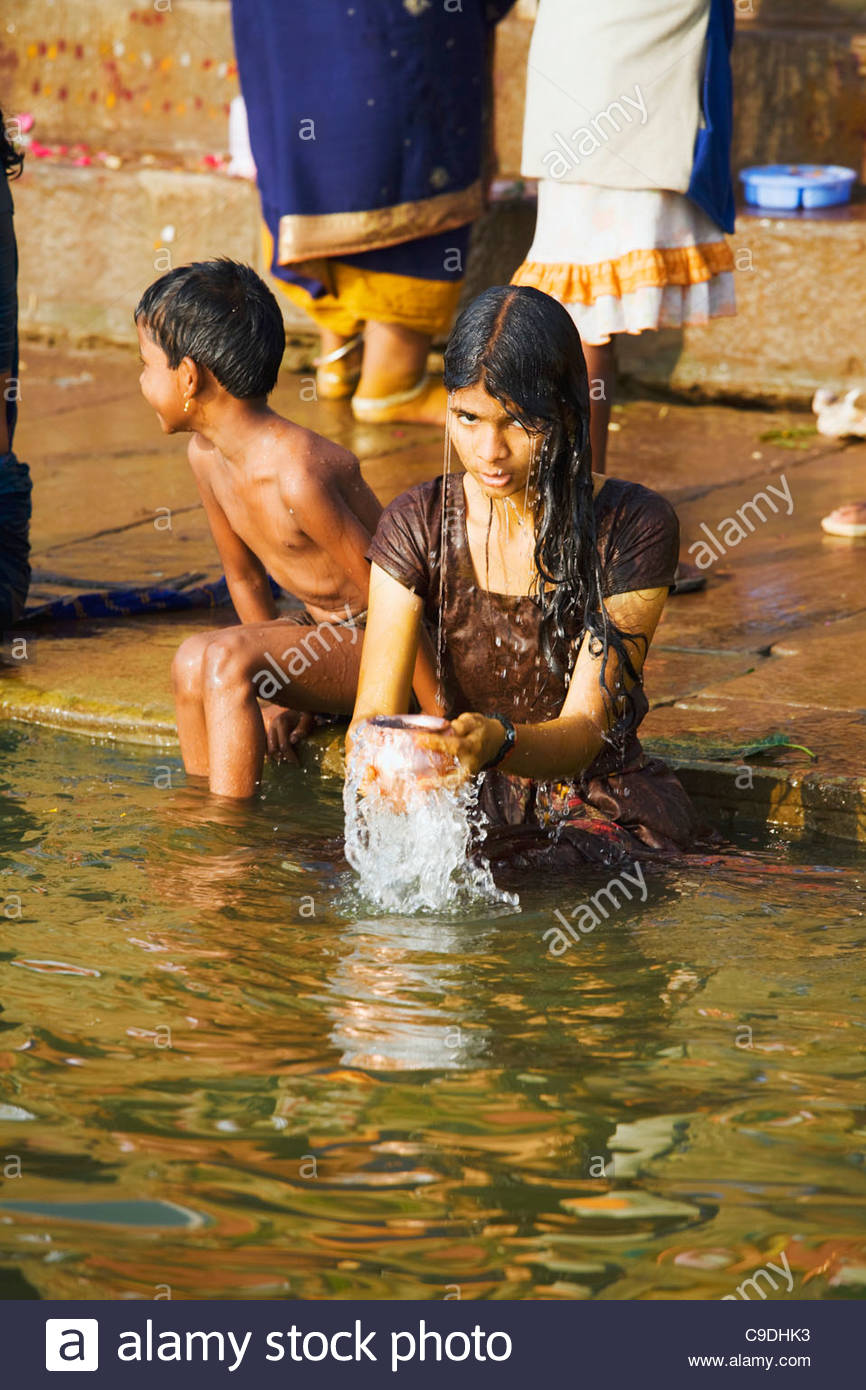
x=711, y=185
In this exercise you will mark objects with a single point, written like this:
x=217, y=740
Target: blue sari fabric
x=711, y=185
x=358, y=105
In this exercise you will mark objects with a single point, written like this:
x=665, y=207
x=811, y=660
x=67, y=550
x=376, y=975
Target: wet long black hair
x=12, y=158
x=524, y=349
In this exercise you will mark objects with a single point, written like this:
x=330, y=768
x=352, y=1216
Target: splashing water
x=409, y=837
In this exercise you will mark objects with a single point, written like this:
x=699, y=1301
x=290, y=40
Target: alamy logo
x=71, y=1344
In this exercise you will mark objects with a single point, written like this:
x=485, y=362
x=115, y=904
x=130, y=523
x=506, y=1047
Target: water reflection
x=351, y=1105
x=398, y=998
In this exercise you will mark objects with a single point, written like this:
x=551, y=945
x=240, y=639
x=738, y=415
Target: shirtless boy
x=280, y=501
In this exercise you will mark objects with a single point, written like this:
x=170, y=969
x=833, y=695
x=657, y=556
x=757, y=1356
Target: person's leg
x=601, y=370
x=303, y=668
x=15, y=507
x=394, y=385
x=338, y=366
x=402, y=313
x=187, y=670
x=315, y=291
x=395, y=359
x=15, y=485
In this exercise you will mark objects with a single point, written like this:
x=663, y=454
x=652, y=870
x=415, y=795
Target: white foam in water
x=415, y=857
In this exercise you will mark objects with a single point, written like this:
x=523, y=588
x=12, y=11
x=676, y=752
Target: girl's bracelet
x=506, y=745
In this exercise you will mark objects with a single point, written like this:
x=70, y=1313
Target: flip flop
x=849, y=520
x=840, y=417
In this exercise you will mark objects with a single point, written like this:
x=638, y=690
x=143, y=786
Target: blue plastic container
x=786, y=186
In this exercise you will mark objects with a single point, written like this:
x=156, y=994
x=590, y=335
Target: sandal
x=840, y=417
x=849, y=520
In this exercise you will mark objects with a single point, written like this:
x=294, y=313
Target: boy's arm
x=245, y=574
x=323, y=515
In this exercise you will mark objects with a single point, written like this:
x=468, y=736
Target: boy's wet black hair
x=222, y=315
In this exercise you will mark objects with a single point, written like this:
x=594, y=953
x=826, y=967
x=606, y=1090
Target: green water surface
x=221, y=1076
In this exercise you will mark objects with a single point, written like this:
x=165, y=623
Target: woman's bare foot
x=394, y=387
x=426, y=403
x=846, y=521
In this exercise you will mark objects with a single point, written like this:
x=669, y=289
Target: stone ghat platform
x=773, y=653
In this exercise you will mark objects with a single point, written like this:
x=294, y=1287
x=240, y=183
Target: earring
x=186, y=405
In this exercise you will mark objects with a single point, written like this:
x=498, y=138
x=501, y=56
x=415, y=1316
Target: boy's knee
x=186, y=668
x=226, y=661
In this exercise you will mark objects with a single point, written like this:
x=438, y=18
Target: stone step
x=152, y=86
x=799, y=286
x=800, y=85
x=92, y=238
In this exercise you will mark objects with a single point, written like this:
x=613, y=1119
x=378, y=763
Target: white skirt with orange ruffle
x=623, y=260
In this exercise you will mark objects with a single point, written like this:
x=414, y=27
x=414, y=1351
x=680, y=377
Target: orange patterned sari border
x=638, y=270
x=348, y=233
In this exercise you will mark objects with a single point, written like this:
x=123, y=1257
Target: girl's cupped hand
x=476, y=740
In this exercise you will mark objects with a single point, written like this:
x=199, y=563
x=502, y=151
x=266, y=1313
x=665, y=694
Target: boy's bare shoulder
x=309, y=459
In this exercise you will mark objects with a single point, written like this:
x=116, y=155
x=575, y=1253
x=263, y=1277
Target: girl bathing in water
x=543, y=584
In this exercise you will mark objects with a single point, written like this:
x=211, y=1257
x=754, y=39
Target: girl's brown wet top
x=492, y=652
